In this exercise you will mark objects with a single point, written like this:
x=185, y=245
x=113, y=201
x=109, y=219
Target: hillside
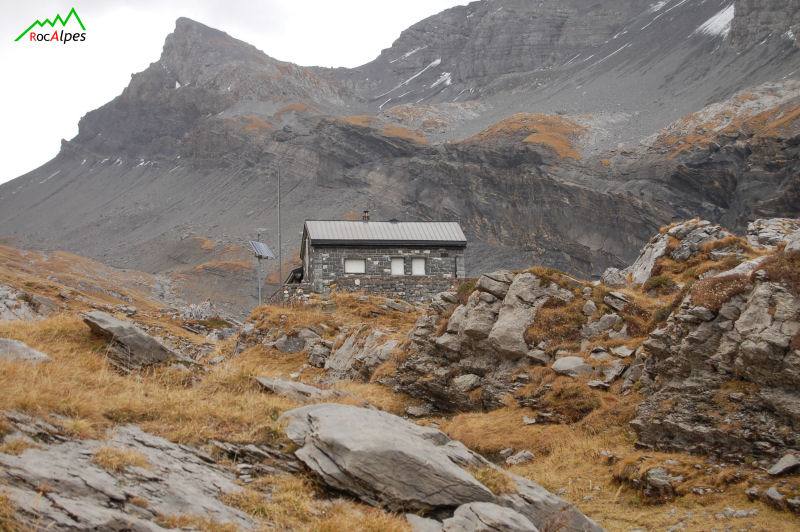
x=556, y=133
x=553, y=376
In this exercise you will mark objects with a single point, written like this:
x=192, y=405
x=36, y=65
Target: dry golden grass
x=230, y=266
x=294, y=108
x=713, y=292
x=358, y=120
x=80, y=384
x=397, y=131
x=553, y=131
x=193, y=522
x=256, y=124
x=568, y=457
x=293, y=504
x=496, y=480
x=16, y=446
x=7, y=513
x=116, y=460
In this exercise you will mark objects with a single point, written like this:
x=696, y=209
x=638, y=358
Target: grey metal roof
x=344, y=232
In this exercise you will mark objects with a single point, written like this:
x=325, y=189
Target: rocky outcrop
x=359, y=354
x=16, y=305
x=387, y=461
x=768, y=233
x=129, y=349
x=756, y=20
x=470, y=363
x=723, y=380
x=165, y=479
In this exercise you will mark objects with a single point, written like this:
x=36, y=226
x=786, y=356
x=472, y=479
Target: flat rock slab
x=384, y=460
x=84, y=496
x=15, y=350
x=487, y=517
x=572, y=367
x=132, y=349
x=789, y=462
x=300, y=392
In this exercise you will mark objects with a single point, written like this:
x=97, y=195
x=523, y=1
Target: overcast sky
x=49, y=86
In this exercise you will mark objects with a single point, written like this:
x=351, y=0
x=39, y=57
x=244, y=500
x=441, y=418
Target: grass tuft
x=116, y=460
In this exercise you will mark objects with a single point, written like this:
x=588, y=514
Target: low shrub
x=713, y=292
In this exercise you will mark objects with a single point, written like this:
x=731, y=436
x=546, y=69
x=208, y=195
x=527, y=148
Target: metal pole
x=280, y=247
x=258, y=239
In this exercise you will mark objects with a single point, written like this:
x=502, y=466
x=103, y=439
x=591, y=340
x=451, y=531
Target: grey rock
x=505, y=453
x=465, y=383
x=11, y=350
x=752, y=493
x=487, y=517
x=83, y=496
x=642, y=267
x=382, y=459
x=767, y=233
x=496, y=283
x=793, y=243
x=613, y=277
x=356, y=360
x=396, y=305
x=418, y=410
x=589, y=308
x=787, y=463
x=774, y=498
x=528, y=420
x=602, y=385
x=658, y=485
x=572, y=366
x=130, y=349
x=319, y=354
x=537, y=356
x=423, y=524
x=616, y=300
x=544, y=508
x=297, y=391
x=622, y=351
x=522, y=457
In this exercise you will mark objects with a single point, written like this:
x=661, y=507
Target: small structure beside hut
x=408, y=260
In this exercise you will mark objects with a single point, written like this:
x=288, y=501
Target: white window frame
x=402, y=270
x=414, y=268
x=350, y=263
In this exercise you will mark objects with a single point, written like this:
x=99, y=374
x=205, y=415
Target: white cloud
x=49, y=86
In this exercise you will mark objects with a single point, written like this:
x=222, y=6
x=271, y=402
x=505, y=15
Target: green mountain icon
x=53, y=22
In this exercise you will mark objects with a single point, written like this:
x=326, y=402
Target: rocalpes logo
x=61, y=36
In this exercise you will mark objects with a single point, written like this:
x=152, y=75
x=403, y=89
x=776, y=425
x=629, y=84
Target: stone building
x=411, y=260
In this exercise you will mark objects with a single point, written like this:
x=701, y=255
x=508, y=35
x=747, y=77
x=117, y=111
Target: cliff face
x=757, y=20
x=555, y=132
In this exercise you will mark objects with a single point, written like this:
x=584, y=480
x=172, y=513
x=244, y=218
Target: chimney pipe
x=365, y=216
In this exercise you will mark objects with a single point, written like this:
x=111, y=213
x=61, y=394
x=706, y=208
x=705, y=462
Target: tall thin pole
x=280, y=246
x=258, y=239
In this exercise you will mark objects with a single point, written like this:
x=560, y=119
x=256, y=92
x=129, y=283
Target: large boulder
x=642, y=267
x=383, y=459
x=390, y=462
x=129, y=347
x=518, y=311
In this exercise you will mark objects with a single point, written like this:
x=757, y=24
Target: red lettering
x=55, y=36
x=33, y=35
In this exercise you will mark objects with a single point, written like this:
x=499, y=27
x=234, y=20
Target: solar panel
x=262, y=250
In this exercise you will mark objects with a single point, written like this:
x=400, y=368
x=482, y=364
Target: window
x=418, y=266
x=355, y=266
x=398, y=266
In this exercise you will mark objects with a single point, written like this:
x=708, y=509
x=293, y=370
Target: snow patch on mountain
x=719, y=25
